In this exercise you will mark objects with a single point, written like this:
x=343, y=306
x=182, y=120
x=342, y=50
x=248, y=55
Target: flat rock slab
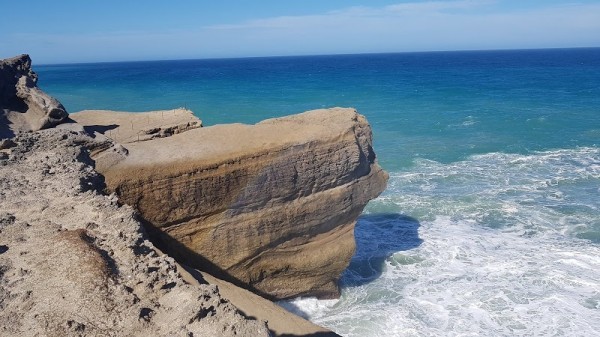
x=129, y=127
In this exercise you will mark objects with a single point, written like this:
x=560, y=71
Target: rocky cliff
x=23, y=106
x=75, y=263
x=271, y=206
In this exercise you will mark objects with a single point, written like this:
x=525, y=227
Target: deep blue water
x=442, y=106
x=490, y=224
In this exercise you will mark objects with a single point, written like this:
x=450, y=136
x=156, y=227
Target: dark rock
x=7, y=144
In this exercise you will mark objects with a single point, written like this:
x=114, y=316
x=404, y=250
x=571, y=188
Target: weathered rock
x=74, y=263
x=23, y=106
x=270, y=206
x=127, y=127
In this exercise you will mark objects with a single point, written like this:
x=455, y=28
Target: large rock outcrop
x=270, y=206
x=75, y=263
x=23, y=106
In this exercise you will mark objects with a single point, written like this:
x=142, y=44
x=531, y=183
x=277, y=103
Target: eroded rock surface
x=128, y=127
x=74, y=263
x=23, y=106
x=270, y=206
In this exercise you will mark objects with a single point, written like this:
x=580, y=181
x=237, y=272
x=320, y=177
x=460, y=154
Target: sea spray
x=499, y=251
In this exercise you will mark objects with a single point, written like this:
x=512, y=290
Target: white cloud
x=358, y=12
x=429, y=25
x=435, y=6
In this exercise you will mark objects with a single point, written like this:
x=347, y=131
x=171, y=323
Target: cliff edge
x=270, y=207
x=75, y=262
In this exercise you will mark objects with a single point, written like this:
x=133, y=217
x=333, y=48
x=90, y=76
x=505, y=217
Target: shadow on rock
x=378, y=237
x=90, y=129
x=192, y=259
x=5, y=130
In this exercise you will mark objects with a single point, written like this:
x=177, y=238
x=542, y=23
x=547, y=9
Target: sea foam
x=489, y=246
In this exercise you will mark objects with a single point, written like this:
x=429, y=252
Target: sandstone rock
x=23, y=106
x=270, y=206
x=127, y=127
x=75, y=263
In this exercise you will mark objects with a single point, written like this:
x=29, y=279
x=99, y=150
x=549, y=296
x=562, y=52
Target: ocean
x=490, y=225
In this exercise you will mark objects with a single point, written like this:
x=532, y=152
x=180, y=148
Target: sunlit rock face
x=271, y=206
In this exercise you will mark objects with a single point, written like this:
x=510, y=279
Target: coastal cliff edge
x=270, y=207
x=77, y=262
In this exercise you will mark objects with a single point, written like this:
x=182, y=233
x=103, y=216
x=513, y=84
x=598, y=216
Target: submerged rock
x=270, y=207
x=23, y=106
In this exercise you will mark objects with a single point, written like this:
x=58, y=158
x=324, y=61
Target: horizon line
x=316, y=55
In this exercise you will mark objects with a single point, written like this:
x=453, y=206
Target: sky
x=68, y=31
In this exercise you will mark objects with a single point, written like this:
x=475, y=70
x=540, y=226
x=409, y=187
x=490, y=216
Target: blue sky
x=108, y=30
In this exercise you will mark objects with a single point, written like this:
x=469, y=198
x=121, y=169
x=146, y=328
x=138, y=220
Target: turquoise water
x=490, y=223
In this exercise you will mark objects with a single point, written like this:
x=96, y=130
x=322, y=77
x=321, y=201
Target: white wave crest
x=496, y=245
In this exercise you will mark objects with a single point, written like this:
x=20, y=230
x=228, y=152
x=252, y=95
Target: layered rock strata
x=270, y=206
x=23, y=106
x=75, y=263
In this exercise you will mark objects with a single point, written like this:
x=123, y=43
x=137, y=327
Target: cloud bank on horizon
x=392, y=27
